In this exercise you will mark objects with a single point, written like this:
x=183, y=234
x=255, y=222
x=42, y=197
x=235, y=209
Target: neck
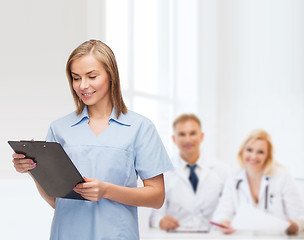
x=191, y=159
x=254, y=175
x=100, y=111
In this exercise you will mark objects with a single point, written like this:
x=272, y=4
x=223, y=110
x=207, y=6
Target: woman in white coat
x=262, y=183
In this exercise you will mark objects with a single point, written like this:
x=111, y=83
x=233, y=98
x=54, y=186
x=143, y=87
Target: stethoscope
x=266, y=191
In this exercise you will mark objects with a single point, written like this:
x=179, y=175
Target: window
x=138, y=32
x=143, y=36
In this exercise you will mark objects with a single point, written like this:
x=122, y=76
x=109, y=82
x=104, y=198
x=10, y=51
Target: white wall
x=207, y=87
x=36, y=40
x=24, y=215
x=260, y=77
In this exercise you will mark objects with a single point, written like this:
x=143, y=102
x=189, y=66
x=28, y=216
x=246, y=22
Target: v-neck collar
x=264, y=183
x=85, y=115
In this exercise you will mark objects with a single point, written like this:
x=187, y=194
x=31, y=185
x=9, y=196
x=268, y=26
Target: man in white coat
x=193, y=188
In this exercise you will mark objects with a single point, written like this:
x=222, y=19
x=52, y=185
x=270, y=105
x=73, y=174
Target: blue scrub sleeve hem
x=151, y=175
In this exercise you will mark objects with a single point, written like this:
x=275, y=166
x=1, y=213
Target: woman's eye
x=248, y=149
x=92, y=77
x=75, y=78
x=261, y=152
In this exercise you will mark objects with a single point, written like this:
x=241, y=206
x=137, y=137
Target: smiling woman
x=262, y=183
x=256, y=152
x=91, y=83
x=103, y=139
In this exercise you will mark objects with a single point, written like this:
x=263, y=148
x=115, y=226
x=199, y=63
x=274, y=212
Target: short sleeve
x=151, y=158
x=50, y=137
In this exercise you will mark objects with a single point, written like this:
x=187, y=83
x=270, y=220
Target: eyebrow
x=85, y=74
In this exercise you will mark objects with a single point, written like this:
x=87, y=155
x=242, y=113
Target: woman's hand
x=22, y=164
x=151, y=195
x=227, y=230
x=293, y=228
x=93, y=189
x=168, y=223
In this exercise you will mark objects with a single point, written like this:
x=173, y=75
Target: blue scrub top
x=129, y=147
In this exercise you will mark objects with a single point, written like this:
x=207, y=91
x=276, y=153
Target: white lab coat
x=281, y=198
x=192, y=210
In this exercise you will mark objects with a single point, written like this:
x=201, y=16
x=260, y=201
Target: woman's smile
x=87, y=95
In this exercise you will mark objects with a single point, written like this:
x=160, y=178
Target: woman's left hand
x=93, y=189
x=293, y=228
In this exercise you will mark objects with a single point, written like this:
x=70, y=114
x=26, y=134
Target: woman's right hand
x=22, y=164
x=293, y=228
x=227, y=230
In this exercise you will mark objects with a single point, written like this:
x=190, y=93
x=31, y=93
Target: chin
x=255, y=168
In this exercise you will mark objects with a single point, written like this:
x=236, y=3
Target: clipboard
x=54, y=171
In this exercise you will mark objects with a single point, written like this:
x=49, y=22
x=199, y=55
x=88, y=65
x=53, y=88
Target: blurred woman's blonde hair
x=107, y=58
x=259, y=134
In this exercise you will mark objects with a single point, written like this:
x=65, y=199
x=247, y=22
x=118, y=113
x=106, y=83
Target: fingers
x=168, y=223
x=227, y=230
x=17, y=155
x=92, y=189
x=86, y=188
x=89, y=183
x=293, y=228
x=22, y=164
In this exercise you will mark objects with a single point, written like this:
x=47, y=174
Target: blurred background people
x=194, y=186
x=262, y=183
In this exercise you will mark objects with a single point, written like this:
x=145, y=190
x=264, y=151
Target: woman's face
x=90, y=80
x=255, y=154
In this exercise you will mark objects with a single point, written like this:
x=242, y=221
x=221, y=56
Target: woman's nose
x=253, y=155
x=83, y=84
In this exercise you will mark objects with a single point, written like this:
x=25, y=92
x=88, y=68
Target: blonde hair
x=107, y=58
x=259, y=134
x=186, y=117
